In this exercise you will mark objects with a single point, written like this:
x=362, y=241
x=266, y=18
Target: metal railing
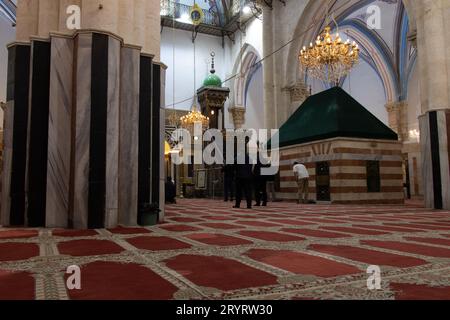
x=177, y=11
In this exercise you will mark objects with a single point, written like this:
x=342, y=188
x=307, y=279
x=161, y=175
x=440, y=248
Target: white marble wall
x=7, y=163
x=112, y=134
x=59, y=132
x=129, y=136
x=82, y=130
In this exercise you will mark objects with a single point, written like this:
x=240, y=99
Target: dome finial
x=213, y=70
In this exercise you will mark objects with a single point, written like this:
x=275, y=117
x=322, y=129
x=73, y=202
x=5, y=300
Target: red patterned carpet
x=206, y=250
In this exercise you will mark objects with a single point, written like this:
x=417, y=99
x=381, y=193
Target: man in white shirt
x=302, y=177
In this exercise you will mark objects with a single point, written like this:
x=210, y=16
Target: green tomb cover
x=330, y=114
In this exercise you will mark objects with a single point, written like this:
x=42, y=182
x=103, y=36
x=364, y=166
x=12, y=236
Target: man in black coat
x=260, y=183
x=171, y=191
x=244, y=177
x=228, y=180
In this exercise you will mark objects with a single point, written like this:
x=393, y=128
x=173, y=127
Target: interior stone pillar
x=15, y=133
x=433, y=45
x=59, y=131
x=136, y=21
x=269, y=92
x=83, y=108
x=129, y=135
x=298, y=94
x=398, y=118
x=50, y=10
x=27, y=19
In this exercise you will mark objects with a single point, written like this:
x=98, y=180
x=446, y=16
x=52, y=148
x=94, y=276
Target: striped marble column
x=78, y=216
x=59, y=132
x=435, y=147
x=129, y=135
x=96, y=153
x=82, y=132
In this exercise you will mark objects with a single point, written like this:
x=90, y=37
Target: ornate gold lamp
x=194, y=117
x=329, y=59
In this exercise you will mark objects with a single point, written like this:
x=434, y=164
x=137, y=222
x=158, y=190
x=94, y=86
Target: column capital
x=238, y=113
x=298, y=92
x=398, y=118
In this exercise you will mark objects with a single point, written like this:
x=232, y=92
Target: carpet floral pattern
x=205, y=250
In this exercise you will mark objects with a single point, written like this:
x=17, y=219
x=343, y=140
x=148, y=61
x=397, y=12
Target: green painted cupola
x=212, y=80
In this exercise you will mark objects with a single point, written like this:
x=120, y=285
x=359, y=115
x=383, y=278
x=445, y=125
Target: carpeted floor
x=205, y=250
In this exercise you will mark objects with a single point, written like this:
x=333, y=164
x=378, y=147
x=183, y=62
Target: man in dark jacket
x=244, y=177
x=171, y=191
x=228, y=180
x=260, y=184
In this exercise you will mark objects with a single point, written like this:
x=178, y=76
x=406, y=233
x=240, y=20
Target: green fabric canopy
x=330, y=114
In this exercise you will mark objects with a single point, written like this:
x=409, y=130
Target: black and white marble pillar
x=83, y=125
x=435, y=147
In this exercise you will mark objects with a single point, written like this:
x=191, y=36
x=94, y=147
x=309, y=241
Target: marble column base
x=435, y=148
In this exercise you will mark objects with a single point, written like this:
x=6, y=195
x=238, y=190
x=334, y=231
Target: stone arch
x=247, y=60
x=309, y=25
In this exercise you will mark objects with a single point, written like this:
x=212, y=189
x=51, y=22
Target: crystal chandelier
x=329, y=59
x=193, y=118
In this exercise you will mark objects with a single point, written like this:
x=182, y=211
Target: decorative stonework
x=299, y=92
x=398, y=118
x=238, y=114
x=412, y=37
x=213, y=98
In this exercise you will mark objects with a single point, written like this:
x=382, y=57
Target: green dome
x=212, y=80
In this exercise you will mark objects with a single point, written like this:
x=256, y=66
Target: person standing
x=170, y=191
x=302, y=177
x=260, y=182
x=228, y=180
x=244, y=177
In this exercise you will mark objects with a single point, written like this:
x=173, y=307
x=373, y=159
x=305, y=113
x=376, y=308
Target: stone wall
x=347, y=159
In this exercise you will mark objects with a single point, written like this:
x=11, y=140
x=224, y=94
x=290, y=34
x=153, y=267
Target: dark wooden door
x=323, y=181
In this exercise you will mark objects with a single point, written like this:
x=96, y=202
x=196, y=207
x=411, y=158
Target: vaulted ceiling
x=387, y=50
